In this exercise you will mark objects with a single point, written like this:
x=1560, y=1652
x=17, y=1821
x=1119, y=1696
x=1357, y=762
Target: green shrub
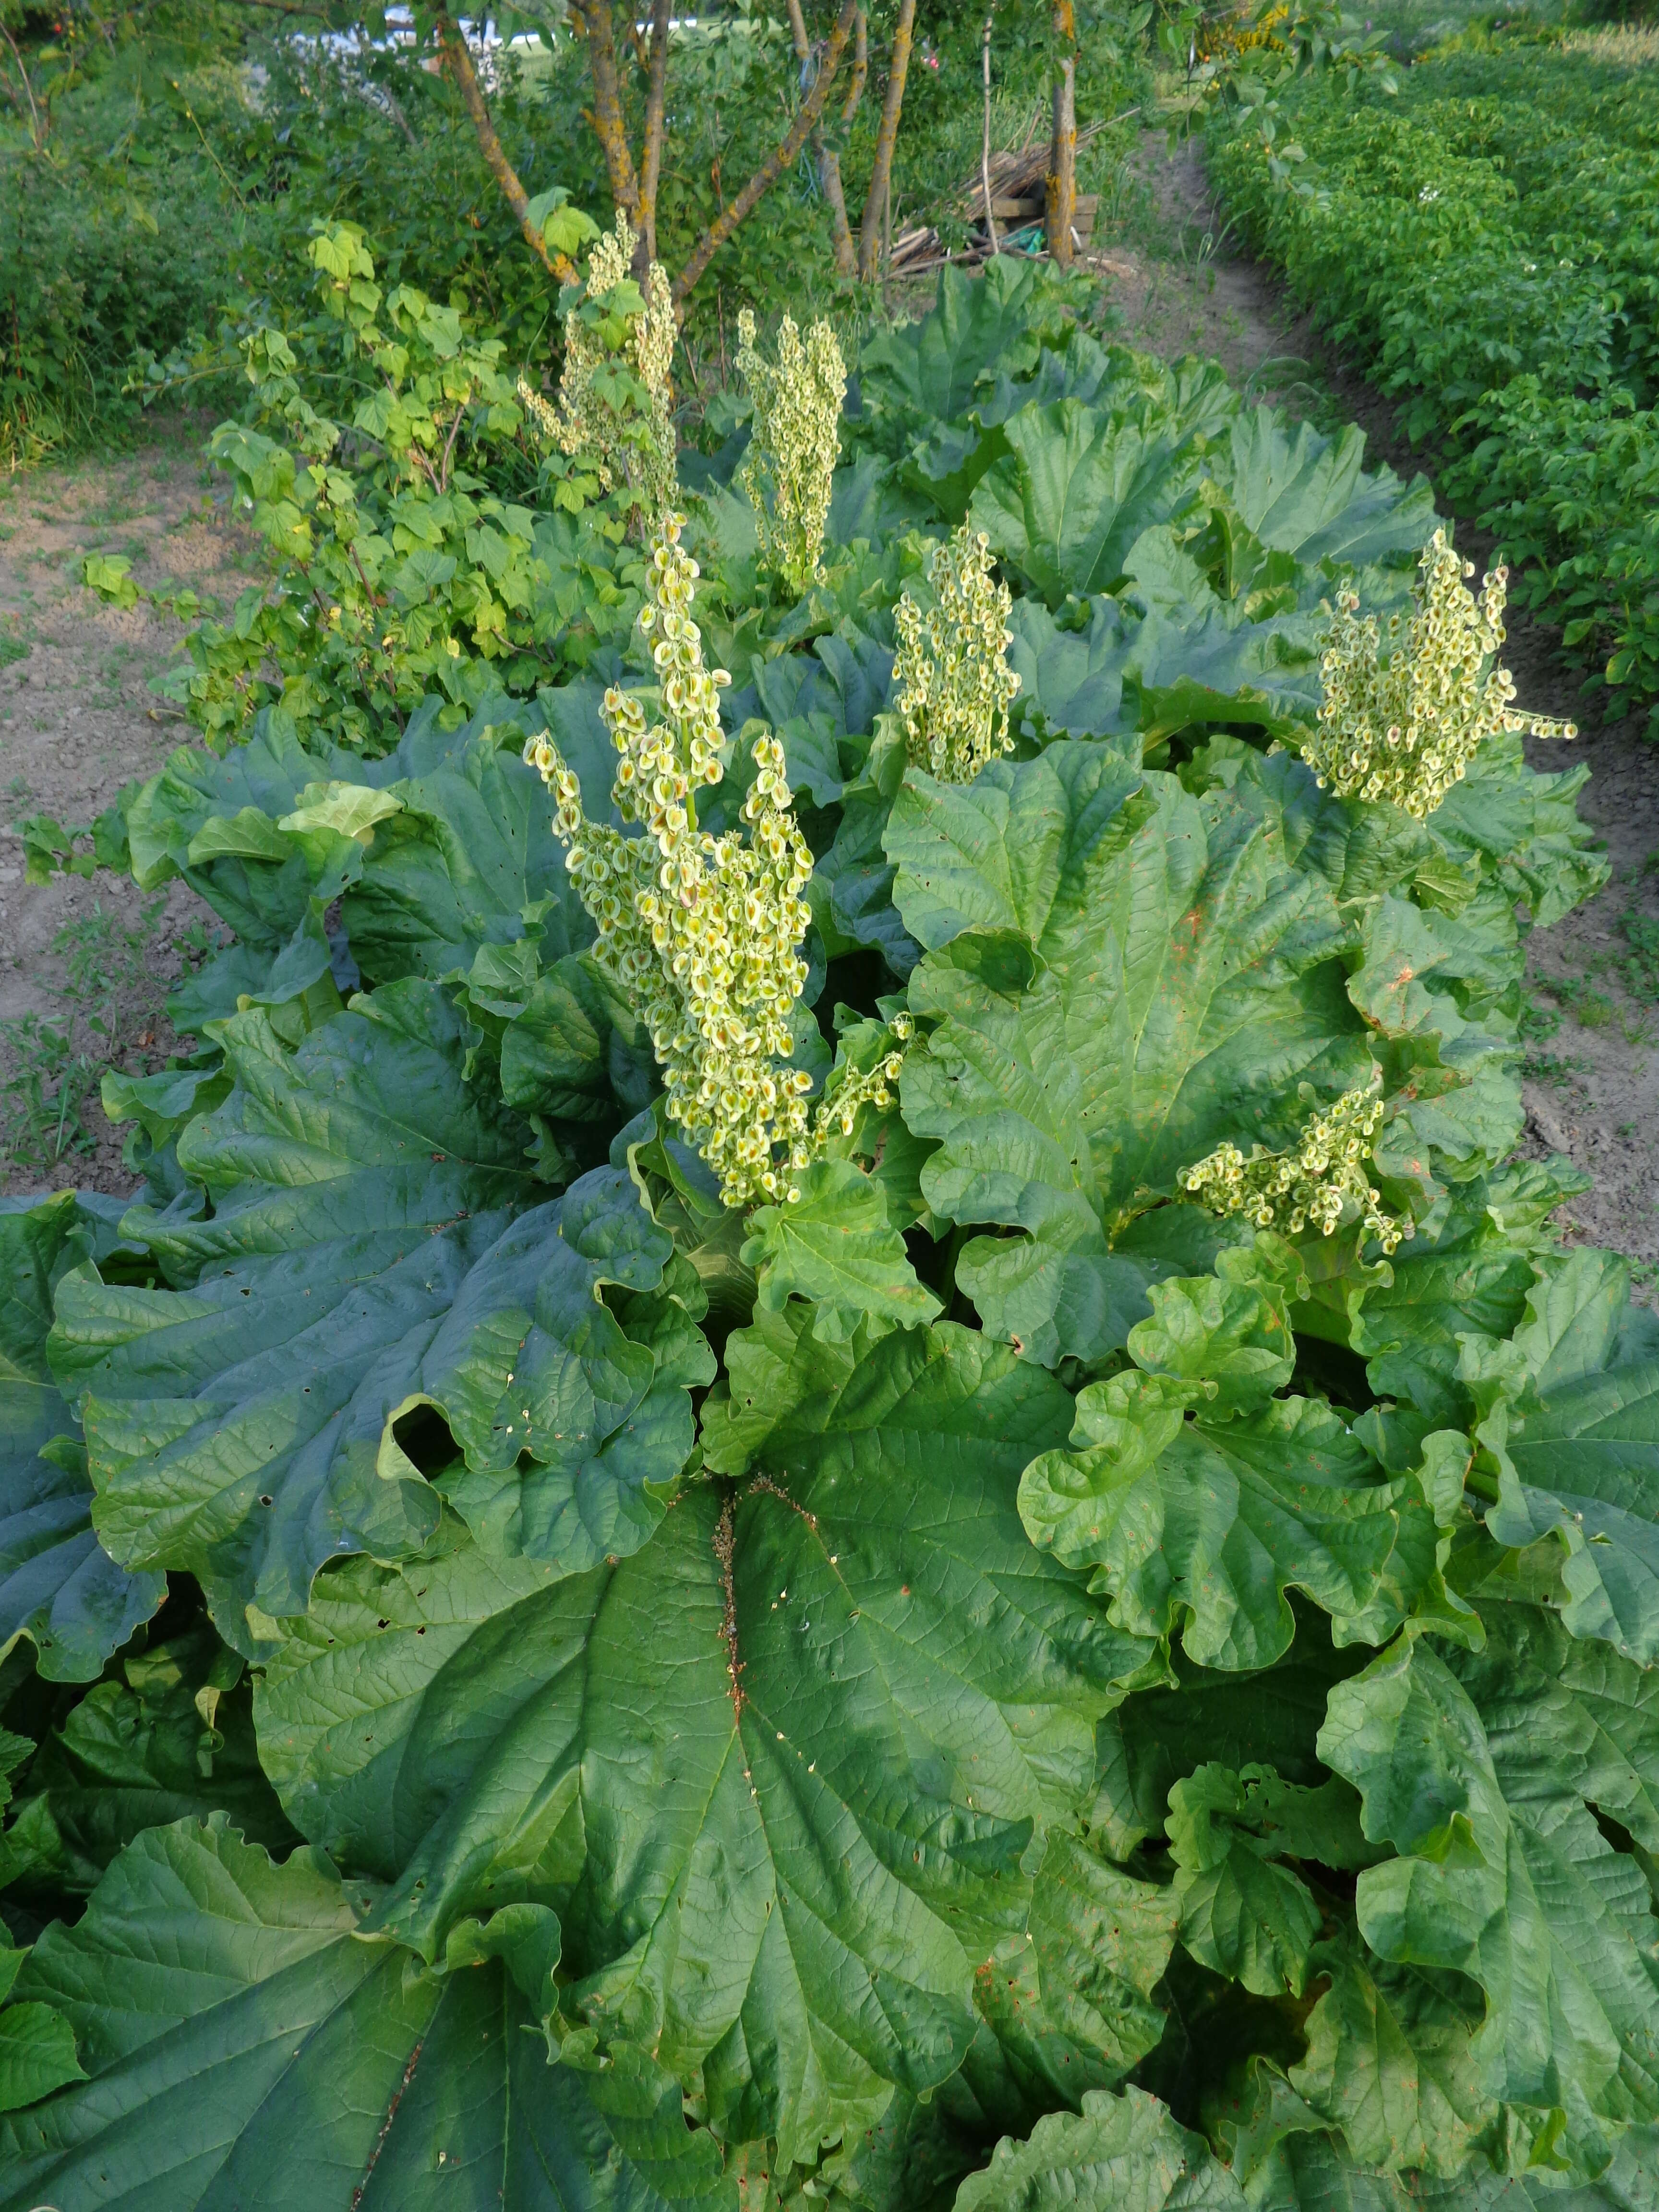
x=1494, y=261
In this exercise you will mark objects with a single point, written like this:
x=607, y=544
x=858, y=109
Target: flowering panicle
x=794, y=444
x=629, y=445
x=1403, y=714
x=951, y=668
x=702, y=931
x=1321, y=1179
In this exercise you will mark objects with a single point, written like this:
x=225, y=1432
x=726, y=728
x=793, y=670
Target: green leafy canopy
x=986, y=1684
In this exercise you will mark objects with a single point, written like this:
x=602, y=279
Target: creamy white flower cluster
x=702, y=931
x=1403, y=713
x=1318, y=1182
x=793, y=444
x=951, y=668
x=638, y=450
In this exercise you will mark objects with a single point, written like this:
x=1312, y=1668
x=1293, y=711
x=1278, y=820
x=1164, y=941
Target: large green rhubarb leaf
x=371, y=1313
x=1391, y=2063
x=928, y=371
x=1496, y=1775
x=779, y=1771
x=1119, y=2154
x=1064, y=505
x=1121, y=975
x=247, y=2045
x=1578, y=1451
x=1305, y=493
x=1200, y=1499
x=58, y=1586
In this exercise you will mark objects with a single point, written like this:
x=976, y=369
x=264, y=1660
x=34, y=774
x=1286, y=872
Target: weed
x=1539, y=1023
x=44, y=1095
x=1550, y=1067
x=1639, y=968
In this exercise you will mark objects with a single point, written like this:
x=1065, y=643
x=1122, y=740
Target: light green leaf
x=1178, y=988
x=1390, y=2061
x=1198, y=1517
x=37, y=2054
x=1577, y=1452
x=1472, y=1276
x=1077, y=488
x=835, y=1247
x=1101, y=1939
x=1120, y=2154
x=1228, y=1333
x=1241, y=1913
x=931, y=367
x=1306, y=494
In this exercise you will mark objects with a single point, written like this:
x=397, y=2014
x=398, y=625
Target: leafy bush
x=988, y=1683
x=1495, y=261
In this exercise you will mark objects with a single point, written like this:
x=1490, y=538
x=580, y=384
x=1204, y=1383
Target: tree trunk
x=881, y=177
x=656, y=95
x=1062, y=147
x=846, y=259
x=593, y=19
x=782, y=157
x=828, y=161
x=460, y=63
x=984, y=144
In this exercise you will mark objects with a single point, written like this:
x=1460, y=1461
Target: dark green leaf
x=691, y=1754
x=57, y=1586
x=247, y=2045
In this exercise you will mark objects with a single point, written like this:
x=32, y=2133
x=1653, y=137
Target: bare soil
x=1592, y=1020
x=91, y=960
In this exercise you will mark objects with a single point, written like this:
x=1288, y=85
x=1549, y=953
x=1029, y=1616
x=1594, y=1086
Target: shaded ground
x=85, y=965
x=1592, y=1022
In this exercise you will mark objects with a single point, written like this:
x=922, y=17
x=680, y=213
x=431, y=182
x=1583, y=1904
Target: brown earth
x=91, y=960
x=78, y=721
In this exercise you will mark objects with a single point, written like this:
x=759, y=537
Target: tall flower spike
x=1319, y=1181
x=631, y=448
x=1404, y=711
x=954, y=685
x=793, y=444
x=702, y=933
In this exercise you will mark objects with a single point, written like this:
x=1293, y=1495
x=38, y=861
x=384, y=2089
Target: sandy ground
x=77, y=720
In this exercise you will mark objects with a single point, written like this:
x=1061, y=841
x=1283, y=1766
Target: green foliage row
x=989, y=1686
x=1489, y=247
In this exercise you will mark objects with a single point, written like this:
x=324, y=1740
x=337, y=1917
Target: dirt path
x=85, y=965
x=1592, y=1017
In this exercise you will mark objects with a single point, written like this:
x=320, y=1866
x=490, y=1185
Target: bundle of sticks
x=1018, y=180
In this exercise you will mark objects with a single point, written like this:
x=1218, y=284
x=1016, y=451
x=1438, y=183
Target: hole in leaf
x=422, y=1436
